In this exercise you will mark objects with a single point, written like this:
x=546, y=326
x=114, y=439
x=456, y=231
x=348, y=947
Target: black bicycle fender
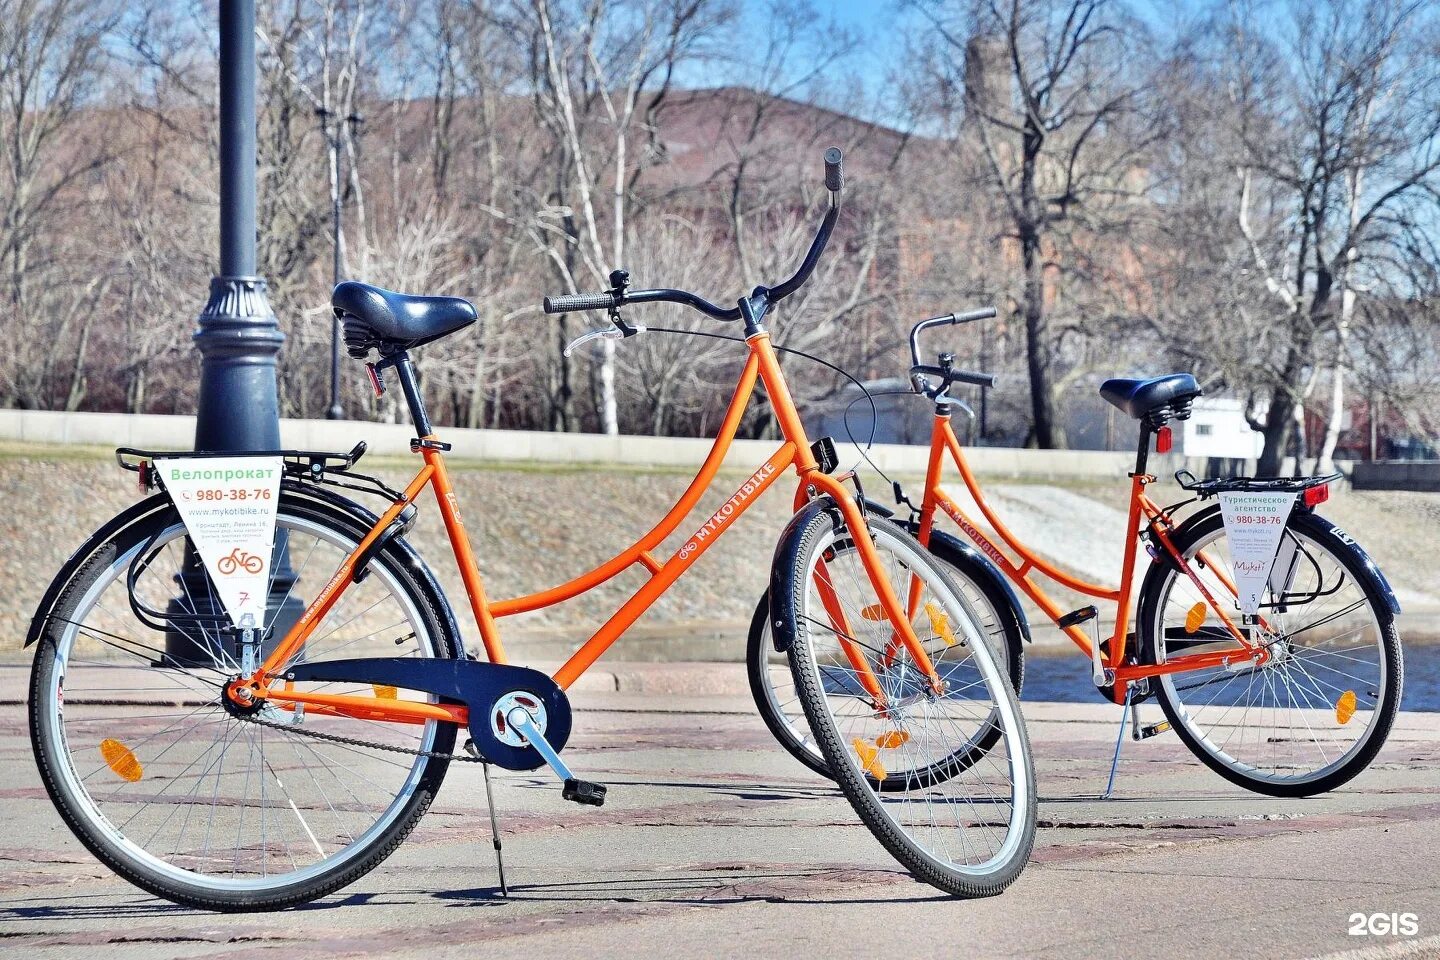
x=161, y=501
x=399, y=544
x=877, y=508
x=1375, y=580
x=782, y=616
x=984, y=567
x=1378, y=584
x=112, y=527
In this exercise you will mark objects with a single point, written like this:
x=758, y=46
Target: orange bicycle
x=1292, y=699
x=245, y=769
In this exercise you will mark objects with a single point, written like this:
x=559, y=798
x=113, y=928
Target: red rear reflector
x=144, y=477
x=1163, y=440
x=376, y=383
x=1315, y=496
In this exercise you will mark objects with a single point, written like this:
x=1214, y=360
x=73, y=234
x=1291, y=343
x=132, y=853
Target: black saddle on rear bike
x=376, y=319
x=1157, y=399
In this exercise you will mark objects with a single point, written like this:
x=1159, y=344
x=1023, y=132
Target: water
x=1065, y=677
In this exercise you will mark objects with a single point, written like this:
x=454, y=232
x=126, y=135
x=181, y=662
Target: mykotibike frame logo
x=727, y=510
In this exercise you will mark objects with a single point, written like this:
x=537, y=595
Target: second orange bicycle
x=1291, y=698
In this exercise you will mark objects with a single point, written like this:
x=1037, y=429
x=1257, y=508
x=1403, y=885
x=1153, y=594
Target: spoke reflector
x=874, y=612
x=939, y=623
x=869, y=759
x=1345, y=707
x=893, y=739
x=119, y=759
x=1195, y=619
x=384, y=691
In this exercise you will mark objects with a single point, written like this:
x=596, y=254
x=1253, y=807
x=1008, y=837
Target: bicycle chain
x=354, y=742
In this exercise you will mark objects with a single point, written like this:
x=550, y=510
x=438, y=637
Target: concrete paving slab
x=716, y=844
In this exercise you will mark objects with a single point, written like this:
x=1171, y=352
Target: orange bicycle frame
x=795, y=451
x=943, y=442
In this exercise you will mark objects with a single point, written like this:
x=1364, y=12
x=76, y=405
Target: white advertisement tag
x=1254, y=523
x=228, y=505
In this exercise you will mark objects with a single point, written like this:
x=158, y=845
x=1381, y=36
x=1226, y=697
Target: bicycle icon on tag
x=237, y=560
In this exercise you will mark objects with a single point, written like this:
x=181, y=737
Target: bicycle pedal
x=1076, y=617
x=584, y=792
x=1153, y=729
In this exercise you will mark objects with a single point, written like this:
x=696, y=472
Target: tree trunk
x=1048, y=432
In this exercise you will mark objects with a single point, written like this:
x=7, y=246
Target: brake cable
x=874, y=411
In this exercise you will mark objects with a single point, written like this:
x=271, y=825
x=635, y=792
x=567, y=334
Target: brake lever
x=604, y=333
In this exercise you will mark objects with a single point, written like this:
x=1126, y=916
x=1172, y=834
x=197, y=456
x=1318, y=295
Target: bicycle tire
x=1168, y=690
x=107, y=556
x=916, y=840
x=999, y=620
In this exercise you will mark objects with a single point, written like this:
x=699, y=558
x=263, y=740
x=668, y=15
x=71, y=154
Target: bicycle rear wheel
x=961, y=815
x=188, y=799
x=1315, y=714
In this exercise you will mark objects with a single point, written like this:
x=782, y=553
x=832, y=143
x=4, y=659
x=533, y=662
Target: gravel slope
x=534, y=528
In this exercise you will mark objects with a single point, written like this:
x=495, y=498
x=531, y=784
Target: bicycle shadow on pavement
x=105, y=907
x=710, y=889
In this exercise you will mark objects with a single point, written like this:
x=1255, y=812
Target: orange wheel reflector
x=119, y=758
x=385, y=692
x=1195, y=618
x=893, y=739
x=874, y=612
x=939, y=623
x=869, y=758
x=1345, y=707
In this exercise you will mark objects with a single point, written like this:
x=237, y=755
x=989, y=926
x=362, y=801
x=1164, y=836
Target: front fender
x=782, y=616
x=979, y=567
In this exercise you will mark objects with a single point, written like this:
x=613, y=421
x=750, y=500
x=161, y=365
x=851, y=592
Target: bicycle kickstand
x=494, y=821
x=1129, y=710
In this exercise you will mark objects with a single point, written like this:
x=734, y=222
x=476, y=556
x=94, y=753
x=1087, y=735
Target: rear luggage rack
x=297, y=462
x=1209, y=488
x=314, y=466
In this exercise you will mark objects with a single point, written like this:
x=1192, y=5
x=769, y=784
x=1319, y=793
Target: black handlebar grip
x=834, y=170
x=954, y=376
x=978, y=379
x=579, y=301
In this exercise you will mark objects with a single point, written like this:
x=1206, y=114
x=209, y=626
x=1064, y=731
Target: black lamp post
x=238, y=336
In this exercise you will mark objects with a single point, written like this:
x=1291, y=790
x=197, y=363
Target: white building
x=1217, y=428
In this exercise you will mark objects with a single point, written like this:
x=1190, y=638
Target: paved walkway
x=716, y=844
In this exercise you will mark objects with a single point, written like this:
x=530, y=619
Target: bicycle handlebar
x=946, y=373
x=578, y=301
x=984, y=313
x=954, y=376
x=619, y=295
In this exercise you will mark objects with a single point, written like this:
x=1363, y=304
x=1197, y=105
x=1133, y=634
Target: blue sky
x=886, y=26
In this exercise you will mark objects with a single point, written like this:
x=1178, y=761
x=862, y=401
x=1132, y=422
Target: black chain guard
x=476, y=684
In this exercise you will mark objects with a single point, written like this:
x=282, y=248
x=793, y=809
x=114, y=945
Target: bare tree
x=1052, y=93
x=1337, y=136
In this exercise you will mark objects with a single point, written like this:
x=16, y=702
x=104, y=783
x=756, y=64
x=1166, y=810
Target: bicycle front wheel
x=772, y=684
x=1317, y=711
x=195, y=802
x=960, y=813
